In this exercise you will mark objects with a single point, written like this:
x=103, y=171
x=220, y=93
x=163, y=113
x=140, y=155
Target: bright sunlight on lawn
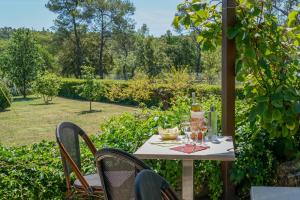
x=29, y=121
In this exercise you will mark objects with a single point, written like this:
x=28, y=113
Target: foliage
x=22, y=61
x=5, y=96
x=90, y=88
x=212, y=61
x=35, y=172
x=130, y=131
x=47, y=85
x=268, y=65
x=142, y=90
x=106, y=17
x=268, y=62
x=204, y=16
x=267, y=59
x=255, y=164
x=69, y=30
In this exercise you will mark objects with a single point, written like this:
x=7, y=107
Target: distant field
x=29, y=121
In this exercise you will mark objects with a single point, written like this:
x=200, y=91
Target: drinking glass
x=195, y=128
x=203, y=131
x=185, y=127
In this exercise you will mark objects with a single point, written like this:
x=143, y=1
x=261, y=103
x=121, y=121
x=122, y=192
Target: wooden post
x=228, y=87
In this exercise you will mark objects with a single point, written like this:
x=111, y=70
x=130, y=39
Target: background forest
x=104, y=36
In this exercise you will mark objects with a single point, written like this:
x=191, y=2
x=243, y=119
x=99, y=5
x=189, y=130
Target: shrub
x=143, y=91
x=5, y=97
x=47, y=85
x=255, y=163
x=89, y=89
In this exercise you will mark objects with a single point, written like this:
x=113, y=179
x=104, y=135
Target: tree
x=267, y=61
x=104, y=17
x=47, y=85
x=180, y=50
x=22, y=60
x=123, y=35
x=211, y=61
x=69, y=26
x=90, y=88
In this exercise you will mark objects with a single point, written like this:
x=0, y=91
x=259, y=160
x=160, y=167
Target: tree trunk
x=124, y=66
x=78, y=50
x=24, y=88
x=198, y=60
x=101, y=70
x=125, y=72
x=90, y=106
x=133, y=72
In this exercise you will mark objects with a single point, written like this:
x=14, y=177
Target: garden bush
x=47, y=85
x=143, y=91
x=5, y=97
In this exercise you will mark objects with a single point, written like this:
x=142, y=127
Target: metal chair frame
x=87, y=190
x=167, y=193
x=119, y=154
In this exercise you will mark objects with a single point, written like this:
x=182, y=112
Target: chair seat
x=92, y=179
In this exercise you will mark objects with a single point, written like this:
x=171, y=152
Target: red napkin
x=189, y=148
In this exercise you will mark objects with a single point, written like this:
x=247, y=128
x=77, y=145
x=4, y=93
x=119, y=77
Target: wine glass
x=203, y=131
x=195, y=128
x=185, y=127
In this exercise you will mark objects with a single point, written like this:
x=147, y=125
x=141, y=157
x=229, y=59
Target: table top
x=222, y=151
x=274, y=193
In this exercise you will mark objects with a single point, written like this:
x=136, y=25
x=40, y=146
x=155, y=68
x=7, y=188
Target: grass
x=30, y=120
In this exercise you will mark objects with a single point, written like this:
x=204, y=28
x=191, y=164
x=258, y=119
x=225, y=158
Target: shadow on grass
x=16, y=99
x=88, y=112
x=42, y=104
x=5, y=110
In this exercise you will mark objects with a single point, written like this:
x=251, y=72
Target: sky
x=157, y=14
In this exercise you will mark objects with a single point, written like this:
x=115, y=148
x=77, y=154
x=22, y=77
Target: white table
x=222, y=151
x=275, y=193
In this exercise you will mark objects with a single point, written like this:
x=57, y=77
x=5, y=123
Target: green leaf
x=176, y=21
x=292, y=18
x=199, y=38
x=238, y=66
x=198, y=5
x=277, y=100
x=276, y=115
x=291, y=125
x=186, y=21
x=285, y=131
x=232, y=32
x=296, y=107
x=277, y=103
x=250, y=52
x=267, y=115
x=202, y=14
x=262, y=99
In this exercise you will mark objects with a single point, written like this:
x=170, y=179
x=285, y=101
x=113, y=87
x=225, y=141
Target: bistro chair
x=117, y=170
x=85, y=186
x=150, y=186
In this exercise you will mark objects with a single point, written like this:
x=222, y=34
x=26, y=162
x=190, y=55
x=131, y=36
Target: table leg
x=187, y=179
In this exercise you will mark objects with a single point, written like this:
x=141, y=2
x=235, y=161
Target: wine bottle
x=197, y=116
x=195, y=105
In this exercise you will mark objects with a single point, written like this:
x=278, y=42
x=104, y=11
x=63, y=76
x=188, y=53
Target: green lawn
x=29, y=121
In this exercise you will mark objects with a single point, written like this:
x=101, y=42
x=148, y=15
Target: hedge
x=5, y=97
x=137, y=92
